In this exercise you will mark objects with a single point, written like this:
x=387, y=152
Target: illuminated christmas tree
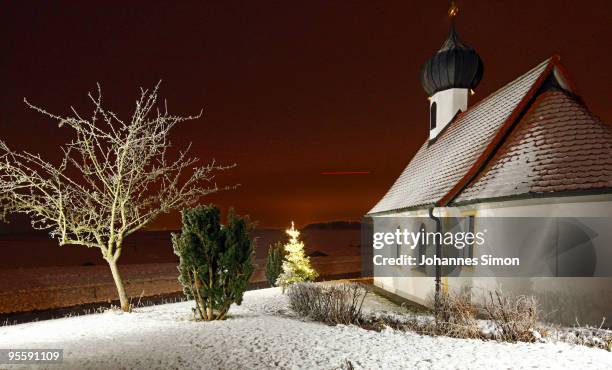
x=296, y=265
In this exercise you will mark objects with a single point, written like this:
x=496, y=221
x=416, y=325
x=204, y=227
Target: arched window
x=432, y=116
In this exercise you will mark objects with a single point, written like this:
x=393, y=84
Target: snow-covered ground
x=263, y=333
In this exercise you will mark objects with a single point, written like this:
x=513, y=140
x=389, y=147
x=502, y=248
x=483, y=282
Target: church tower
x=448, y=77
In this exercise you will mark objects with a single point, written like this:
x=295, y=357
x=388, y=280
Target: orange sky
x=289, y=89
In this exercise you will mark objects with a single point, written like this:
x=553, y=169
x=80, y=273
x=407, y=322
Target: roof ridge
x=552, y=59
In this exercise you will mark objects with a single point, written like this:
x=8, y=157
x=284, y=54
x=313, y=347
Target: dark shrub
x=274, y=264
x=215, y=260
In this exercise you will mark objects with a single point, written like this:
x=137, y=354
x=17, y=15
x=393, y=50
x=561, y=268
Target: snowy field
x=263, y=333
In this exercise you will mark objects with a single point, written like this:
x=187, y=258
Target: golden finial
x=453, y=10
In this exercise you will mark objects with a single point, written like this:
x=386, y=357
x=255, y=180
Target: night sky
x=290, y=89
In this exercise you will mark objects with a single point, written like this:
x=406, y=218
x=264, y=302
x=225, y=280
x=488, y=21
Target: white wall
x=562, y=299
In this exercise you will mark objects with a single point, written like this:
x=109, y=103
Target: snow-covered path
x=261, y=334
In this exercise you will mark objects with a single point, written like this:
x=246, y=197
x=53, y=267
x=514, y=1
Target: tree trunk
x=123, y=298
x=209, y=309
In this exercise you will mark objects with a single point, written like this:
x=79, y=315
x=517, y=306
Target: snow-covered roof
x=496, y=150
x=557, y=146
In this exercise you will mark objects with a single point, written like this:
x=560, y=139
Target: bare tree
x=115, y=177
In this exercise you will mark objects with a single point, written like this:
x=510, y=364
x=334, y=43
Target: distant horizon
x=300, y=227
x=25, y=229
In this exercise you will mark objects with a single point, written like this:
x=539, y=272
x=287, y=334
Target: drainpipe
x=438, y=254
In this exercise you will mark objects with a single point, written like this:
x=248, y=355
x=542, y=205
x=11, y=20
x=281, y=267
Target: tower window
x=432, y=116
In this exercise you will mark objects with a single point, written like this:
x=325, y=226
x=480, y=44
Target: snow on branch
x=115, y=177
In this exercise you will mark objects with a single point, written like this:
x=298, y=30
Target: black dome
x=455, y=65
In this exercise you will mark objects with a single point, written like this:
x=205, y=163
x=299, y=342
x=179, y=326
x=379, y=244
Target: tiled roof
x=436, y=171
x=557, y=146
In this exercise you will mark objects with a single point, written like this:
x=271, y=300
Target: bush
x=215, y=261
x=456, y=316
x=586, y=336
x=515, y=318
x=331, y=304
x=274, y=264
x=506, y=319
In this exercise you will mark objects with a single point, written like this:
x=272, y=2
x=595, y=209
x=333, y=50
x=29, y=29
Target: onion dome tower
x=448, y=77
